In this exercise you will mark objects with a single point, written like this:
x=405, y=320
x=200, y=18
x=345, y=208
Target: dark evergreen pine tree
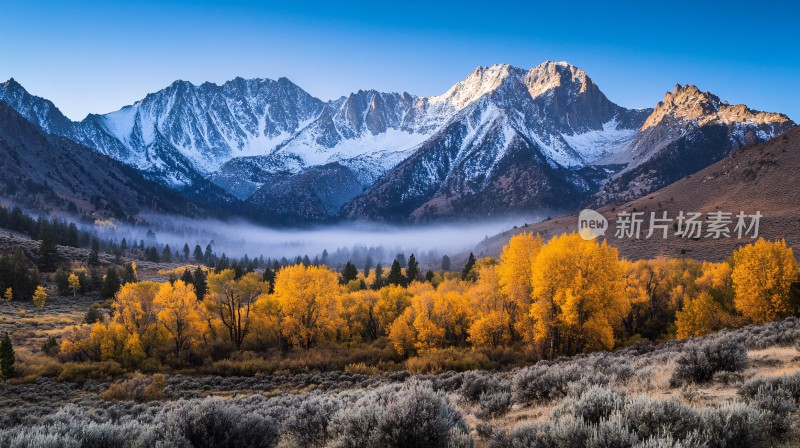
x=468, y=267
x=200, y=286
x=128, y=273
x=111, y=283
x=166, y=255
x=187, y=277
x=324, y=256
x=208, y=256
x=396, y=276
x=73, y=236
x=94, y=254
x=349, y=273
x=401, y=258
x=269, y=277
x=429, y=276
x=379, y=282
x=186, y=251
x=198, y=254
x=445, y=263
x=367, y=266
x=92, y=315
x=7, y=357
x=48, y=253
x=412, y=271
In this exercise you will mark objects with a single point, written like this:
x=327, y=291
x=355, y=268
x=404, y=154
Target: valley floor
x=737, y=388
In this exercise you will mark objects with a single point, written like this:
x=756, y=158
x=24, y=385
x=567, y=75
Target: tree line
x=558, y=298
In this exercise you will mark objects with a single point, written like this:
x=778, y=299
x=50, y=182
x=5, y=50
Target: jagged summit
x=687, y=102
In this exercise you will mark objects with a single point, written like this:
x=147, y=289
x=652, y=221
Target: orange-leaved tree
x=514, y=280
x=578, y=295
x=763, y=273
x=178, y=313
x=308, y=297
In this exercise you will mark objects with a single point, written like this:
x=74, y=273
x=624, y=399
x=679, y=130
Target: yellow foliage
x=308, y=299
x=39, y=297
x=491, y=308
x=514, y=279
x=578, y=295
x=700, y=316
x=135, y=310
x=762, y=275
x=178, y=314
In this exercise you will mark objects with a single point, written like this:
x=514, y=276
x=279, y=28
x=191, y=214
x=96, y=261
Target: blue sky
x=98, y=56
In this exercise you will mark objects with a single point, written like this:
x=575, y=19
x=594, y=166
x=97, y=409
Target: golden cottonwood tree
x=134, y=309
x=178, y=315
x=231, y=301
x=308, y=297
x=578, y=295
x=700, y=316
x=762, y=276
x=491, y=308
x=514, y=279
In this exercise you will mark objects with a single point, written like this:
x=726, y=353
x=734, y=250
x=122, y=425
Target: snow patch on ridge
x=595, y=145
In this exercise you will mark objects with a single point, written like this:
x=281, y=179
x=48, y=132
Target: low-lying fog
x=381, y=242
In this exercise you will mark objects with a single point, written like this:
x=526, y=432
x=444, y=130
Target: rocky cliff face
x=687, y=131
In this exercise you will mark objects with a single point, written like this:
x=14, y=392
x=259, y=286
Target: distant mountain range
x=503, y=141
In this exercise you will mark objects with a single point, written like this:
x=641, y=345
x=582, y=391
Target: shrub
x=650, y=417
x=213, y=423
x=307, y=426
x=494, y=403
x=700, y=361
x=735, y=425
x=544, y=382
x=80, y=372
x=412, y=415
x=139, y=388
x=442, y=360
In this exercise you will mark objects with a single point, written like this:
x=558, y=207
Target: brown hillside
x=763, y=177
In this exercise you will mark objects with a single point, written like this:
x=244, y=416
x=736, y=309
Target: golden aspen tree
x=8, y=295
x=39, y=297
x=74, y=283
x=762, y=276
x=578, y=295
x=402, y=333
x=452, y=307
x=267, y=321
x=392, y=301
x=700, y=316
x=308, y=297
x=135, y=310
x=514, y=279
x=491, y=309
x=231, y=301
x=178, y=314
